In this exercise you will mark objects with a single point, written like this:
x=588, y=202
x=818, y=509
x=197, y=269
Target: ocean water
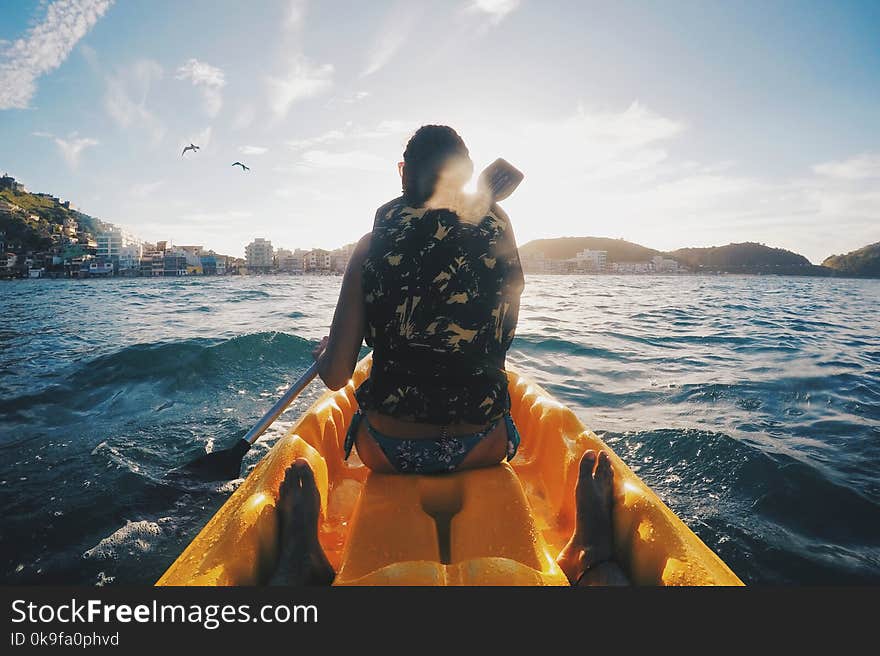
x=751, y=405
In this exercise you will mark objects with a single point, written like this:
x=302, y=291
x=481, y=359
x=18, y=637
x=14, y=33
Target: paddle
x=227, y=463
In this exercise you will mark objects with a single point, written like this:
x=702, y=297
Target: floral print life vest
x=442, y=301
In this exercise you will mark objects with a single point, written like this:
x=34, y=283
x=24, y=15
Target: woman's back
x=441, y=304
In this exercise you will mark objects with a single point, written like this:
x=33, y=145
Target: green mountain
x=863, y=262
x=564, y=248
x=734, y=258
x=29, y=220
x=747, y=257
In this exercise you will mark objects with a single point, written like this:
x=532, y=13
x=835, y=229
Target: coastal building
x=152, y=263
x=193, y=255
x=9, y=208
x=339, y=258
x=120, y=248
x=317, y=260
x=259, y=256
x=100, y=267
x=10, y=183
x=7, y=265
x=213, y=264
x=174, y=263
x=664, y=265
x=130, y=257
x=592, y=261
x=111, y=242
x=288, y=262
x=538, y=263
x=632, y=267
x=70, y=228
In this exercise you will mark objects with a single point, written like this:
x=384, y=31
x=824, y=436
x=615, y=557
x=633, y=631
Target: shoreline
x=642, y=274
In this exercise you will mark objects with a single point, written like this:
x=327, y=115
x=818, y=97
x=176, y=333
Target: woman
x=435, y=290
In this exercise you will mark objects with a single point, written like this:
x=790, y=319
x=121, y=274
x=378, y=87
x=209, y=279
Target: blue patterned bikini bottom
x=432, y=455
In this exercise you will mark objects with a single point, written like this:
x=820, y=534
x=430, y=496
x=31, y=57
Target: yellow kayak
x=501, y=525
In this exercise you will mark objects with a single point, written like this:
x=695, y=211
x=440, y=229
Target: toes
x=588, y=462
x=604, y=472
x=309, y=487
x=304, y=472
x=290, y=484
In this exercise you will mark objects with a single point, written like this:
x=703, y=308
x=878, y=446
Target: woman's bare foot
x=302, y=560
x=586, y=559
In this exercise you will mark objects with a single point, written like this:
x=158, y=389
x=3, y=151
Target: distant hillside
x=31, y=225
x=563, y=248
x=734, y=258
x=747, y=257
x=863, y=262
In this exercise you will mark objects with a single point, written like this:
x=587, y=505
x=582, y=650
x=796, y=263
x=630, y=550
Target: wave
x=555, y=345
x=170, y=367
x=133, y=539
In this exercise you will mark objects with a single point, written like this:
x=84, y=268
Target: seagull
x=243, y=167
x=191, y=147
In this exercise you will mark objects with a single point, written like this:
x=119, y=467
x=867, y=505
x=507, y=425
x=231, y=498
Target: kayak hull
x=500, y=525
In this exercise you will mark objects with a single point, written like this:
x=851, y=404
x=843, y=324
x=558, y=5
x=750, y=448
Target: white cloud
x=44, y=48
x=395, y=31
x=355, y=159
x=303, y=80
x=386, y=128
x=495, y=10
x=356, y=97
x=303, y=193
x=244, y=117
x=209, y=78
x=331, y=136
x=70, y=148
x=296, y=13
x=126, y=95
x=861, y=167
x=221, y=218
x=145, y=189
x=253, y=150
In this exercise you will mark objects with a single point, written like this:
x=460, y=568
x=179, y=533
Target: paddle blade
x=225, y=464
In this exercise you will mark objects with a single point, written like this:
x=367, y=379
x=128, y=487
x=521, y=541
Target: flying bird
x=243, y=167
x=191, y=147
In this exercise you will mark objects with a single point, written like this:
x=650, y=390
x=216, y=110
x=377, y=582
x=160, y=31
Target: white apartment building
x=130, y=256
x=592, y=260
x=259, y=255
x=632, y=267
x=288, y=261
x=664, y=264
x=111, y=244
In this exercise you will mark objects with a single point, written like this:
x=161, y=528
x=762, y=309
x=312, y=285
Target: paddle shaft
x=281, y=405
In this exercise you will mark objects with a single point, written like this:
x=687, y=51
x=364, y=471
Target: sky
x=670, y=124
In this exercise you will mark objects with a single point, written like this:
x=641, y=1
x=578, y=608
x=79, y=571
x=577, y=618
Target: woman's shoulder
x=387, y=210
x=497, y=220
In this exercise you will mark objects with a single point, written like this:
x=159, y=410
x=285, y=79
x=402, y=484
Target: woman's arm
x=514, y=282
x=338, y=360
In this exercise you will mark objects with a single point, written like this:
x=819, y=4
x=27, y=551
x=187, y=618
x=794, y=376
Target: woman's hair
x=428, y=151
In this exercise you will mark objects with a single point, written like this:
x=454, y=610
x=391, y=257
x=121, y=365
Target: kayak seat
x=468, y=528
